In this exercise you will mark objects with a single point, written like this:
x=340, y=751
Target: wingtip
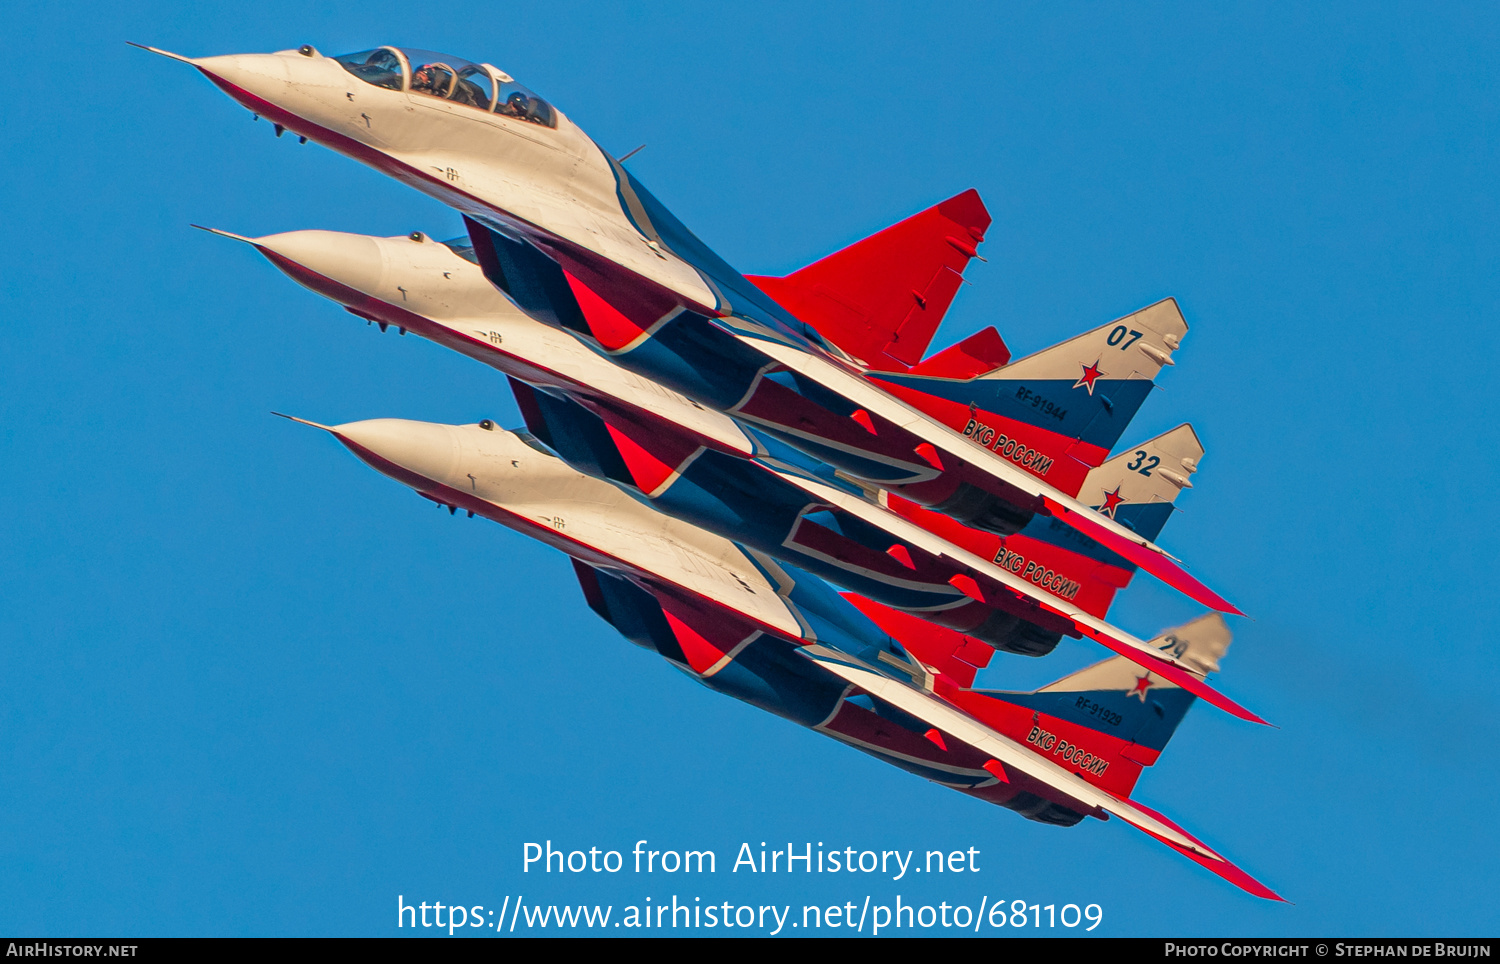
x=1186, y=583
x=1213, y=696
x=1233, y=610
x=1251, y=886
x=1229, y=706
x=1206, y=857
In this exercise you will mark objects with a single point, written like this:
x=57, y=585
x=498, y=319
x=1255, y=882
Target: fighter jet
x=702, y=467
x=575, y=240
x=779, y=639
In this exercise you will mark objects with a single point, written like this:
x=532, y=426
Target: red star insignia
x=1091, y=374
x=1112, y=501
x=1142, y=684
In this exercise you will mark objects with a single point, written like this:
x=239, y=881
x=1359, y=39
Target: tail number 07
x=1122, y=334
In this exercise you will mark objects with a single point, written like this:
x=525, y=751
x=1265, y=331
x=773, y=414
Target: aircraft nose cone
x=402, y=448
x=263, y=75
x=351, y=260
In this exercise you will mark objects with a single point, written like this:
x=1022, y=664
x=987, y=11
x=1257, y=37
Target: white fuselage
x=437, y=289
x=423, y=285
x=555, y=181
x=495, y=473
x=553, y=185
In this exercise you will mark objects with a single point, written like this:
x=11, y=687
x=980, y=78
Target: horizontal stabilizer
x=1135, y=488
x=882, y=299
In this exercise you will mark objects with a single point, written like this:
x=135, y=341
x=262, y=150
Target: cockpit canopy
x=449, y=78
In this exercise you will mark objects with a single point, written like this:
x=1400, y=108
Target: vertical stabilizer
x=1137, y=487
x=1058, y=412
x=1114, y=715
x=1122, y=701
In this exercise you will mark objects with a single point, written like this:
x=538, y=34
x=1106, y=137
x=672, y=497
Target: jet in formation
x=714, y=449
x=779, y=638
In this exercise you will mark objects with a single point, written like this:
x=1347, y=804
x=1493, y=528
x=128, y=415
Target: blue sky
x=248, y=686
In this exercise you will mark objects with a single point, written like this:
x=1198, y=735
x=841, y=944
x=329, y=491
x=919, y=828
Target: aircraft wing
x=1183, y=674
x=1012, y=755
x=952, y=445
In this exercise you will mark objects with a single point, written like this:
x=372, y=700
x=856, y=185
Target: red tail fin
x=882, y=299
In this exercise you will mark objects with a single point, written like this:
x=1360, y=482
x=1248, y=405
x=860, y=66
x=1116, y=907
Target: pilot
x=427, y=78
x=517, y=105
